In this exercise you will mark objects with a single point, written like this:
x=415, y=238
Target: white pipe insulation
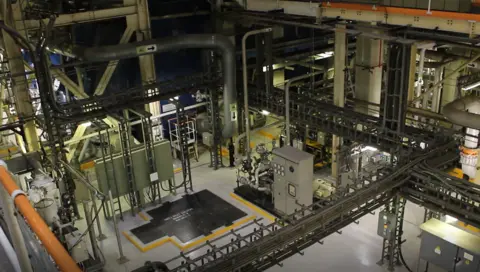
x=466, y=112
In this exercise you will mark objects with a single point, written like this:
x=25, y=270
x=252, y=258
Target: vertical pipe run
x=245, y=80
x=101, y=236
x=18, y=241
x=122, y=259
x=418, y=89
x=287, y=101
x=91, y=229
x=9, y=251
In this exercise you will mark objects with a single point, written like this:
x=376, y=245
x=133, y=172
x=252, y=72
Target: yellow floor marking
x=183, y=247
x=266, y=134
x=157, y=244
x=253, y=207
x=87, y=165
x=143, y=216
x=217, y=233
x=468, y=227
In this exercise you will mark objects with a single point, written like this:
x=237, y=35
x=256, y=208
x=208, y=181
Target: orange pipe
x=49, y=241
x=406, y=11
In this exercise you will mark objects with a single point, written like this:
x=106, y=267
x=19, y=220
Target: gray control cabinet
x=293, y=177
x=437, y=251
x=386, y=225
x=468, y=261
x=450, y=247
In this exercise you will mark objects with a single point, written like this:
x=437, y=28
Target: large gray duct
x=203, y=41
x=456, y=112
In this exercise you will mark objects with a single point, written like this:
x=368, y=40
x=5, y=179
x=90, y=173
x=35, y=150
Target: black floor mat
x=188, y=218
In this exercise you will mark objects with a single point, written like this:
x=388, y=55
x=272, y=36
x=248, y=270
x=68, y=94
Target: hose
x=399, y=240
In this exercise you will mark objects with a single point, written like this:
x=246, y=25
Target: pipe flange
x=17, y=193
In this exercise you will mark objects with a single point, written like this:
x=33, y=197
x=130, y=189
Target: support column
x=141, y=23
x=437, y=90
x=338, y=93
x=450, y=83
x=368, y=73
x=23, y=102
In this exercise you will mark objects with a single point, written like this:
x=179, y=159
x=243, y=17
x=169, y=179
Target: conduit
x=202, y=41
x=287, y=102
x=456, y=112
x=245, y=80
x=49, y=241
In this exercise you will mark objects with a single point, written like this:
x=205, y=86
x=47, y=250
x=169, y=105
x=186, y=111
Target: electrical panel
x=449, y=247
x=467, y=261
x=293, y=178
x=387, y=224
x=116, y=172
x=437, y=251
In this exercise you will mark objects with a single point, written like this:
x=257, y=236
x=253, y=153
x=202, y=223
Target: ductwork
x=457, y=113
x=202, y=41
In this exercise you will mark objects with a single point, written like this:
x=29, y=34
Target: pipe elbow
x=456, y=112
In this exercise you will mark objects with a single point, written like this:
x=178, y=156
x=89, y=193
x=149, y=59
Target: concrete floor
x=357, y=249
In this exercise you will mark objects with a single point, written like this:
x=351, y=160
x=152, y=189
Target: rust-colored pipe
x=49, y=241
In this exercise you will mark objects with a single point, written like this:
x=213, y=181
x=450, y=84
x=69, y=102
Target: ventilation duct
x=457, y=112
x=201, y=41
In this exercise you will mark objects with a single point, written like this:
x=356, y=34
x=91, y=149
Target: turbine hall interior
x=239, y=135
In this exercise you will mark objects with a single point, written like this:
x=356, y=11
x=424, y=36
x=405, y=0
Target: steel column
x=23, y=103
x=338, y=93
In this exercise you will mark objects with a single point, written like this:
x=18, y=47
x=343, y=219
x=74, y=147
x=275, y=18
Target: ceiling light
x=324, y=55
x=369, y=148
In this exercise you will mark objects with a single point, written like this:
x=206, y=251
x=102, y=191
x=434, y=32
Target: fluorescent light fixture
x=324, y=55
x=87, y=124
x=274, y=67
x=175, y=98
x=471, y=86
x=264, y=112
x=369, y=148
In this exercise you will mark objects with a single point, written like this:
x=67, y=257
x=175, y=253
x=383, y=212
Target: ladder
x=182, y=131
x=110, y=175
x=213, y=113
x=124, y=133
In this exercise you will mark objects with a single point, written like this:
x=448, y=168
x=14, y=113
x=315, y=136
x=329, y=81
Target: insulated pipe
x=287, y=102
x=245, y=80
x=9, y=251
x=49, y=241
x=456, y=112
x=203, y=41
x=13, y=225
